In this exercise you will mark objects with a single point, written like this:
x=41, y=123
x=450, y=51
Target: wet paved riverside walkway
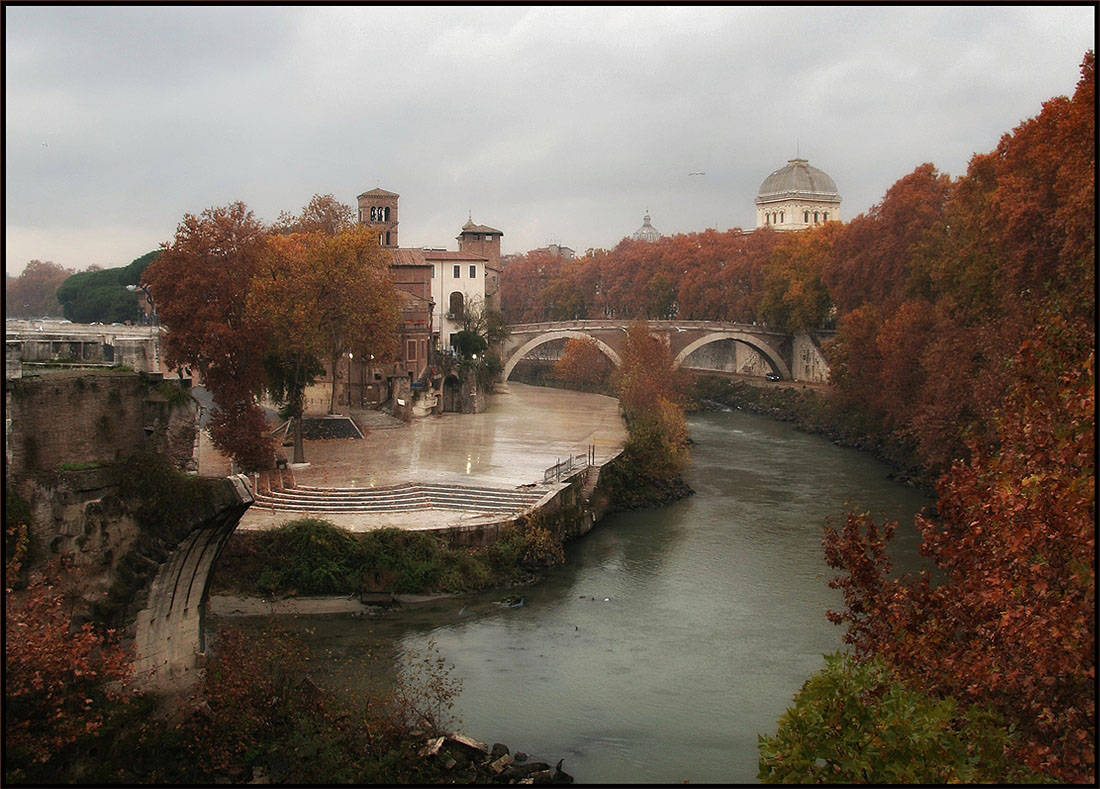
x=507, y=448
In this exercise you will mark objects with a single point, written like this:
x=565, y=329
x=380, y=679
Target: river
x=671, y=637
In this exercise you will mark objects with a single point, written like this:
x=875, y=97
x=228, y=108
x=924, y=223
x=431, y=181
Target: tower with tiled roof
x=378, y=209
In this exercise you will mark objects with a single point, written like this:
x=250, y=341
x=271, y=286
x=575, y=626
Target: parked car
x=773, y=376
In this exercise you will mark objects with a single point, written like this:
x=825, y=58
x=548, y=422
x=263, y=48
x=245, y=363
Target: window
x=825, y=217
x=806, y=217
x=410, y=350
x=473, y=272
x=815, y=217
x=781, y=217
x=456, y=304
x=386, y=214
x=387, y=238
x=458, y=271
x=433, y=271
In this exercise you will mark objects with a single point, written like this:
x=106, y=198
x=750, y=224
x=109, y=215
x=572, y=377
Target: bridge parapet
x=775, y=347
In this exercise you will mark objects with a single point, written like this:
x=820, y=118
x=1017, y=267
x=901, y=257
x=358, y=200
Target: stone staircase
x=408, y=497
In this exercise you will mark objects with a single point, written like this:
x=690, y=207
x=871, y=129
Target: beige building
x=797, y=196
x=458, y=280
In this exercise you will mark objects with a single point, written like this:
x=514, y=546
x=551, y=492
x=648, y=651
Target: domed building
x=646, y=232
x=796, y=197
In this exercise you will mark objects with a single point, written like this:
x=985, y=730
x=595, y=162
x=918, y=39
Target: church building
x=796, y=197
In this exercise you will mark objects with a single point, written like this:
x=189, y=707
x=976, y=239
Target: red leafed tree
x=59, y=685
x=583, y=365
x=200, y=283
x=1009, y=619
x=33, y=294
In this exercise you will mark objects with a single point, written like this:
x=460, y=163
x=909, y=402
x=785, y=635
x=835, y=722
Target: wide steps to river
x=409, y=497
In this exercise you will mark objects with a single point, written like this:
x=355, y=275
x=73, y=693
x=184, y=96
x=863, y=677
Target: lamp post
x=153, y=315
x=351, y=357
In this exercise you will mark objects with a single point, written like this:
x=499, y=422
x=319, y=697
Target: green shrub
x=852, y=722
x=313, y=557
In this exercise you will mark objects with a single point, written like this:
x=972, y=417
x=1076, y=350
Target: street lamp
x=351, y=357
x=148, y=298
x=153, y=310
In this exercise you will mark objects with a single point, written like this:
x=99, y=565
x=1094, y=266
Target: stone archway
x=773, y=357
x=551, y=336
x=451, y=395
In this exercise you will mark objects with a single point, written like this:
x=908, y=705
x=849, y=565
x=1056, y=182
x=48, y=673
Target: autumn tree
x=322, y=214
x=1009, y=618
x=282, y=297
x=33, y=294
x=652, y=398
x=583, y=365
x=356, y=307
x=60, y=686
x=320, y=296
x=200, y=283
x=794, y=296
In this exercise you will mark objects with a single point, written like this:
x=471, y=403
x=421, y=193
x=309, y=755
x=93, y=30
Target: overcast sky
x=552, y=124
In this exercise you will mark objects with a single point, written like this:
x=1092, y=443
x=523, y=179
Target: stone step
x=426, y=487
x=404, y=494
x=367, y=508
x=408, y=497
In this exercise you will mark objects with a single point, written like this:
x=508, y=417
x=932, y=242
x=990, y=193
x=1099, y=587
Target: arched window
x=815, y=217
x=806, y=217
x=781, y=217
x=825, y=217
x=456, y=304
x=386, y=214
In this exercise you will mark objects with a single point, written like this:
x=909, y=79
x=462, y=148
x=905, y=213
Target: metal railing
x=562, y=467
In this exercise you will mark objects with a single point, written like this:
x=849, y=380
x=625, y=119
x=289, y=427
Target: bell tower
x=378, y=209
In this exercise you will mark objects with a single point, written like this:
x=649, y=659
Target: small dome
x=798, y=179
x=646, y=232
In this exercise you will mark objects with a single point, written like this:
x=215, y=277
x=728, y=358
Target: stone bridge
x=792, y=357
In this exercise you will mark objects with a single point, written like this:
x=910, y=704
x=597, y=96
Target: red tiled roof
x=435, y=254
x=379, y=193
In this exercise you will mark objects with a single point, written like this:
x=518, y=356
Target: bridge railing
x=596, y=324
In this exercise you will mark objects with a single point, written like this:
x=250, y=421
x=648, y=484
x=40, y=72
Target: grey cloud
x=563, y=122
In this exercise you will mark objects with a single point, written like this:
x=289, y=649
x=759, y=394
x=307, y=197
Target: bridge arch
x=550, y=336
x=773, y=356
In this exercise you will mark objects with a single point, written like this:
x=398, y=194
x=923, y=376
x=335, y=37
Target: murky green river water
x=671, y=638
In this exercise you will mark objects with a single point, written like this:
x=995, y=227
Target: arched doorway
x=451, y=396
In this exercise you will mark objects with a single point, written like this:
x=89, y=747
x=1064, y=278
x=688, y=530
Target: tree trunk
x=299, y=446
x=332, y=399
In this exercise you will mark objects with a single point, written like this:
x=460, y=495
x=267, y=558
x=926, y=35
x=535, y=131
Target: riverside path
x=500, y=455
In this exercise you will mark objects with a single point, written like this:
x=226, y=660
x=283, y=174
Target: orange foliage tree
x=583, y=365
x=33, y=294
x=320, y=296
x=1009, y=619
